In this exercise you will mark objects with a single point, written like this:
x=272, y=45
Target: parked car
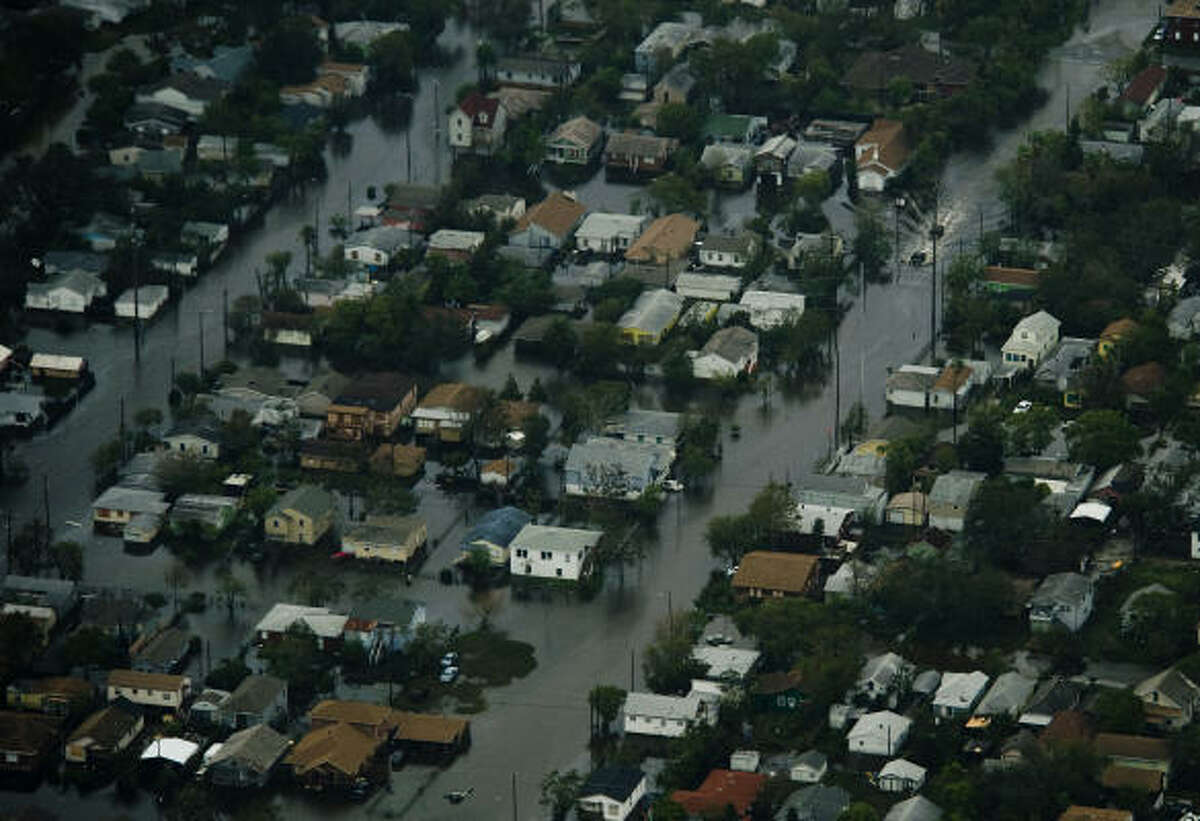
x=450, y=660
x=1024, y=406
x=448, y=675
x=673, y=485
x=918, y=258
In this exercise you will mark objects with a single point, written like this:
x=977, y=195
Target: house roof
x=882, y=724
x=1122, y=777
x=1173, y=684
x=960, y=690
x=818, y=802
x=1144, y=379
x=776, y=682
x=193, y=86
x=393, y=529
x=639, y=145
x=951, y=378
x=1062, y=589
x=1118, y=329
x=380, y=391
x=659, y=706
x=955, y=488
x=716, y=155
x=1078, y=813
x=912, y=378
x=771, y=570
x=1141, y=747
x=617, y=783
x=544, y=537
x=310, y=500
x=1065, y=362
x=429, y=729
x=1040, y=323
x=108, y=726
x=255, y=694
x=719, y=789
x=668, y=237
x=320, y=620
x=882, y=670
x=1143, y=85
x=557, y=214
x=336, y=745
x=731, y=344
x=453, y=239
x=740, y=243
x=534, y=63
x=579, y=131
x=633, y=458
x=1050, y=698
x=1008, y=694
x=475, y=104
x=498, y=527
x=602, y=225
x=874, y=70
x=258, y=747
x=354, y=712
x=55, y=685
x=148, y=681
x=62, y=262
x=653, y=312
x=680, y=77
x=176, y=750
x=812, y=758
x=454, y=395
x=779, y=147
x=167, y=647
x=917, y=808
x=883, y=144
x=1067, y=727
x=902, y=768
x=1002, y=275
x=723, y=661
x=27, y=733
x=643, y=421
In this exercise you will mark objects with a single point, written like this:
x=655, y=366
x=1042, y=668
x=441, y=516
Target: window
x=522, y=553
x=204, y=449
x=166, y=696
x=547, y=555
x=558, y=572
x=182, y=447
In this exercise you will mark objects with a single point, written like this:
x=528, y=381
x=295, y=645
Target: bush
x=196, y=602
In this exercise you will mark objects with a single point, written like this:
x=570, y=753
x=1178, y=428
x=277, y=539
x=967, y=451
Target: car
x=1159, y=31
x=448, y=675
x=673, y=485
x=450, y=659
x=341, y=554
x=459, y=796
x=918, y=258
x=717, y=639
x=1024, y=406
x=732, y=570
x=397, y=759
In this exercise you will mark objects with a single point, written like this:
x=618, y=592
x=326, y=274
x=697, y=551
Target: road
x=539, y=723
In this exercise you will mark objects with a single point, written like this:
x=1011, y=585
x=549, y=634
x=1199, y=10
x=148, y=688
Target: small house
x=610, y=468
x=721, y=789
x=770, y=574
x=258, y=699
x=778, y=692
x=434, y=738
x=477, y=124
x=637, y=155
x=900, y=775
x=664, y=716
x=917, y=808
x=958, y=694
x=1008, y=695
x=809, y=767
x=881, y=154
x=605, y=233
x=57, y=696
x=71, y=293
x=575, y=142
x=730, y=251
x=879, y=733
x=446, y=411
x=814, y=803
x=247, y=758
x=1170, y=699
x=950, y=497
x=27, y=740
x=141, y=303
x=327, y=627
x=118, y=506
x=652, y=315
x=494, y=532
x=611, y=794
x=661, y=253
x=711, y=287
x=1031, y=339
x=728, y=353
x=549, y=224
x=159, y=690
x=302, y=516
x=372, y=406
x=338, y=457
x=378, y=248
x=387, y=538
x=771, y=159
x=164, y=653
x=770, y=309
x=1061, y=600
x=105, y=734
x=198, y=439
x=536, y=72
x=335, y=757
x=454, y=245
x=730, y=165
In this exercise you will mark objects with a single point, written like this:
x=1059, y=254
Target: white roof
x=959, y=690
x=451, y=239
x=652, y=704
x=1039, y=323
x=725, y=660
x=56, y=362
x=146, y=295
x=601, y=225
x=903, y=768
x=708, y=283
x=176, y=750
x=320, y=620
x=545, y=537
x=772, y=300
x=1092, y=510
x=1008, y=694
x=882, y=724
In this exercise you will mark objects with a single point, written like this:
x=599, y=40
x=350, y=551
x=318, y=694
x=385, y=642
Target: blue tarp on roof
x=498, y=527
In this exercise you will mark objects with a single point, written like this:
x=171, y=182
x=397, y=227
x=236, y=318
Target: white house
x=149, y=299
x=149, y=689
x=199, y=440
x=70, y=293
x=721, y=663
x=185, y=92
x=1031, y=339
x=900, y=775
x=879, y=733
x=1062, y=599
x=713, y=287
x=809, y=767
x=328, y=627
x=723, y=251
x=958, y=694
x=909, y=385
x=455, y=244
x=544, y=552
x=477, y=124
x=612, y=793
x=770, y=309
x=606, y=467
x=378, y=247
x=884, y=676
x=537, y=72
x=665, y=716
x=880, y=154
x=607, y=233
x=728, y=352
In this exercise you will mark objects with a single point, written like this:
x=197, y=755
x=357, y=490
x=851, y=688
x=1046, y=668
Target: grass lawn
x=493, y=659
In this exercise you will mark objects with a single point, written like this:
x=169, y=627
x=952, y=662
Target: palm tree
x=485, y=60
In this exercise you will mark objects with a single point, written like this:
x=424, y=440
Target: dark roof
x=193, y=86
x=140, y=112
x=1144, y=379
x=874, y=70
x=65, y=262
x=497, y=526
x=258, y=747
x=1143, y=85
x=55, y=593
x=166, y=648
x=617, y=783
x=639, y=145
x=255, y=694
x=1119, y=745
x=777, y=682
x=113, y=610
x=27, y=733
x=381, y=391
x=1024, y=277
x=111, y=724
x=413, y=196
x=1067, y=727
x=475, y=104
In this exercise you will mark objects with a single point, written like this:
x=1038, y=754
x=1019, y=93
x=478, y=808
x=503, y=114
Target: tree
x=228, y=674
x=148, y=417
x=667, y=662
x=982, y=446
x=290, y=52
x=1006, y=521
x=1029, y=433
x=1119, y=711
x=391, y=59
x=176, y=576
x=859, y=811
x=677, y=194
x=605, y=702
x=511, y=390
x=230, y=588
x=560, y=791
x=92, y=647
x=1103, y=438
x=904, y=456
x=729, y=538
x=68, y=558
x=296, y=659
x=871, y=245
x=772, y=510
x=678, y=120
x=20, y=641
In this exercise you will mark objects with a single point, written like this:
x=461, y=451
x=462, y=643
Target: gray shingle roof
x=955, y=487
x=731, y=344
x=257, y=747
x=255, y=694
x=1067, y=589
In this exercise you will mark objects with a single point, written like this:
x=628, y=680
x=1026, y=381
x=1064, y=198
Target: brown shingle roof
x=770, y=570
x=379, y=391
x=150, y=681
x=952, y=378
x=1133, y=746
x=339, y=746
x=1067, y=727
x=353, y=712
x=777, y=682
x=557, y=214
x=1077, y=813
x=1118, y=777
x=1142, y=86
x=1025, y=277
x=108, y=726
x=874, y=70
x=1182, y=8
x=1117, y=329
x=456, y=395
x=28, y=733
x=430, y=729
x=666, y=238
x=1144, y=379
x=721, y=788
x=892, y=152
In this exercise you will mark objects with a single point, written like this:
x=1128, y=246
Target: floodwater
x=539, y=723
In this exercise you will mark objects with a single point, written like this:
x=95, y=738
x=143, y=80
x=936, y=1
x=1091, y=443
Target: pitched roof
x=255, y=694
x=617, y=783
x=257, y=747
x=28, y=733
x=379, y=391
x=659, y=706
x=955, y=487
x=1120, y=745
x=320, y=620
x=731, y=344
x=354, y=712
x=952, y=378
x=429, y=729
x=310, y=500
x=917, y=808
x=578, y=130
x=874, y=70
x=1008, y=694
x=475, y=104
x=149, y=681
x=959, y=690
x=1002, y=275
x=668, y=237
x=1067, y=589
x=776, y=682
x=652, y=312
x=639, y=145
x=544, y=537
x=721, y=788
x=1121, y=777
x=888, y=146
x=1118, y=328
x=336, y=745
x=771, y=570
x=557, y=214
x=456, y=395
x=818, y=802
x=1143, y=85
x=498, y=527
x=742, y=242
x=109, y=725
x=1067, y=727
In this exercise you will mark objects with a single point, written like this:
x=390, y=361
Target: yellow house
x=387, y=538
x=1112, y=334
x=302, y=516
x=654, y=313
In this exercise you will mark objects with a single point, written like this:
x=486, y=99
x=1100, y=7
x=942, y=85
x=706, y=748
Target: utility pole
x=200, y=324
x=225, y=322
x=936, y=233
x=631, y=687
x=514, y=795
x=121, y=429
x=837, y=392
x=46, y=500
x=137, y=323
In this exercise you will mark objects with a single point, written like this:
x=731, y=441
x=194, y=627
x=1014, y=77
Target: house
x=1143, y=90
x=663, y=46
x=57, y=696
x=105, y=734
x=379, y=247
x=1008, y=695
x=1061, y=600
x=770, y=574
x=878, y=733
x=372, y=406
x=777, y=692
x=730, y=164
x=46, y=601
x=721, y=789
x=549, y=224
x=886, y=676
x=446, y=411
x=56, y=366
x=575, y=142
x=641, y=425
x=384, y=625
x=159, y=690
x=1062, y=370
x=1183, y=322
x=809, y=767
x=1005, y=282
x=197, y=439
x=325, y=625
x=454, y=245
x=544, y=552
x=910, y=509
x=58, y=263
x=374, y=720
x=724, y=664
x=1170, y=698
x=154, y=120
x=187, y=93
x=611, y=793
x=604, y=467
x=728, y=353
x=257, y=700
x=711, y=287
x=335, y=757
x=1133, y=762
x=302, y=516
x=387, y=538
x=71, y=293
x=675, y=86
x=931, y=74
x=771, y=159
x=661, y=253
x=363, y=33
x=477, y=124
x=1031, y=339
x=917, y=808
x=900, y=775
x=500, y=206
x=1078, y=813
x=637, y=155
x=398, y=460
x=281, y=328
x=118, y=506
x=910, y=386
x=816, y=803
x=1052, y=697
x=213, y=512
x=164, y=653
x=881, y=154
x=652, y=315
x=850, y=580
x=435, y=738
x=605, y=233
x=119, y=615
x=494, y=532
x=770, y=309
x=205, y=709
x=410, y=206
x=536, y=72
x=1113, y=334
x=950, y=498
x=958, y=694
x=338, y=457
x=23, y=412
x=27, y=741
x=247, y=758
x=730, y=251
x=141, y=303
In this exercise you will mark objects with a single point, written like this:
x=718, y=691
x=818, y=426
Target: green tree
x=511, y=390
x=296, y=659
x=859, y=811
x=683, y=122
x=1029, y=433
x=904, y=456
x=20, y=643
x=559, y=792
x=68, y=558
x=1119, y=711
x=176, y=576
x=871, y=245
x=605, y=702
x=729, y=537
x=667, y=662
x=228, y=674
x=92, y=647
x=982, y=446
x=1103, y=438
x=391, y=59
x=1006, y=522
x=289, y=53
x=675, y=193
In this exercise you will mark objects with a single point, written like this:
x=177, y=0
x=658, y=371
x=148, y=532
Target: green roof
x=310, y=500
x=727, y=125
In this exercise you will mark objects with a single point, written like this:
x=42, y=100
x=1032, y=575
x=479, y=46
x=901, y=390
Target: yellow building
x=302, y=516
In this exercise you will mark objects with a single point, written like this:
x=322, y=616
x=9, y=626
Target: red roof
x=1023, y=277
x=476, y=104
x=1143, y=86
x=722, y=788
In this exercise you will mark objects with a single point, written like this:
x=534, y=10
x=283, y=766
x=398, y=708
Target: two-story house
x=372, y=406
x=1170, y=699
x=302, y=516
x=159, y=690
x=879, y=733
x=1061, y=600
x=1031, y=339
x=446, y=411
x=881, y=154
x=544, y=552
x=477, y=124
x=611, y=794
x=637, y=155
x=198, y=439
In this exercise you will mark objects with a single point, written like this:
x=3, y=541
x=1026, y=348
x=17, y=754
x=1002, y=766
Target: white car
x=1024, y=406
x=450, y=659
x=673, y=485
x=448, y=675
